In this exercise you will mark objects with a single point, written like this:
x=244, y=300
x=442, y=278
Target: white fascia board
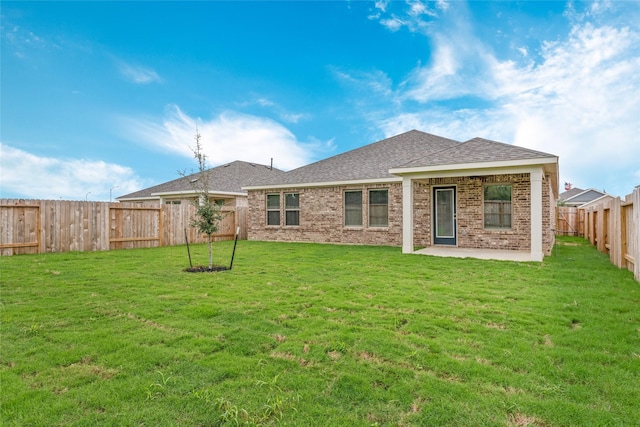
x=326, y=184
x=174, y=193
x=463, y=168
x=136, y=199
x=448, y=173
x=193, y=193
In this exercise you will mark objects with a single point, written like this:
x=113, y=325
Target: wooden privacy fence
x=39, y=226
x=613, y=226
x=569, y=221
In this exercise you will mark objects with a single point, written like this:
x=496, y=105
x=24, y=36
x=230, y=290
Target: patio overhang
x=537, y=173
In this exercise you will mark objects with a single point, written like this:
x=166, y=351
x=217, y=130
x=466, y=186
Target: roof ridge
x=509, y=145
x=439, y=151
x=362, y=147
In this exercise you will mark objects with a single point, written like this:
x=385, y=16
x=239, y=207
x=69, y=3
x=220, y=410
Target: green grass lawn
x=318, y=335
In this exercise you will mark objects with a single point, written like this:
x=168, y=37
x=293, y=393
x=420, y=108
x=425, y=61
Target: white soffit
x=466, y=168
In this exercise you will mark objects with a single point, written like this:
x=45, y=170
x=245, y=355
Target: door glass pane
x=444, y=213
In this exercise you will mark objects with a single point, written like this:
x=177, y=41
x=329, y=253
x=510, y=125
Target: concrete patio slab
x=495, y=254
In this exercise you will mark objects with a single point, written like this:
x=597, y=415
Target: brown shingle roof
x=407, y=150
x=476, y=150
x=372, y=161
x=227, y=178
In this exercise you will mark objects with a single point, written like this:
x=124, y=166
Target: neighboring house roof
x=580, y=197
x=569, y=194
x=225, y=179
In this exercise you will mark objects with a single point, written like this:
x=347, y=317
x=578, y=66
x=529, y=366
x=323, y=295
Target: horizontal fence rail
x=41, y=226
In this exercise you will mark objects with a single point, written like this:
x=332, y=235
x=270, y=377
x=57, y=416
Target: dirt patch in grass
x=288, y=356
x=498, y=326
x=62, y=378
x=334, y=355
x=523, y=420
x=280, y=338
x=147, y=322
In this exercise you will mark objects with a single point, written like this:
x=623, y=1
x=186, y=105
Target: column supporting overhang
x=407, y=215
x=536, y=215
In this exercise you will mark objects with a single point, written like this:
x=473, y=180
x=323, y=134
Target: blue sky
x=100, y=99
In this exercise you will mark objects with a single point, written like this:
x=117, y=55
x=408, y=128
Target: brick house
x=226, y=183
x=415, y=190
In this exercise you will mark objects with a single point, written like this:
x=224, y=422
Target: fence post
x=635, y=200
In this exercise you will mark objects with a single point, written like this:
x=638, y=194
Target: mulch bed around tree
x=204, y=269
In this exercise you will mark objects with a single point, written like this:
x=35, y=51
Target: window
x=353, y=208
x=292, y=208
x=497, y=206
x=378, y=208
x=273, y=209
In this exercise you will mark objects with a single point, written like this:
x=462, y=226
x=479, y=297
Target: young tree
x=208, y=214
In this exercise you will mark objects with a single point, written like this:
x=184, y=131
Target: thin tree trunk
x=210, y=252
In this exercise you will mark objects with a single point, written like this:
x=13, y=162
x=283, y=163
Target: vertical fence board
x=634, y=231
x=6, y=236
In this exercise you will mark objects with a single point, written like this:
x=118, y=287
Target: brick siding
x=470, y=212
x=322, y=218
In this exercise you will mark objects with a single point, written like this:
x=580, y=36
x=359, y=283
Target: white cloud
x=229, y=136
x=381, y=5
x=138, y=74
x=418, y=8
x=53, y=178
x=23, y=43
x=284, y=114
x=394, y=23
x=582, y=103
x=442, y=4
x=580, y=100
x=265, y=102
x=417, y=18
